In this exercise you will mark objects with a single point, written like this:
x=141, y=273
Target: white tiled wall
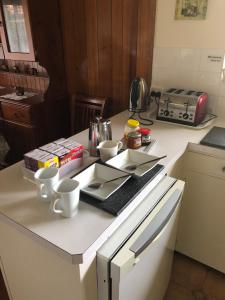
x=192, y=69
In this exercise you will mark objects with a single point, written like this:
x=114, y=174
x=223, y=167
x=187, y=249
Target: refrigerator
x=135, y=262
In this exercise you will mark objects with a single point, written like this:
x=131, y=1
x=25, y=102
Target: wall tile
x=189, y=59
x=187, y=79
x=165, y=57
x=212, y=105
x=220, y=108
x=212, y=66
x=164, y=77
x=209, y=82
x=222, y=86
x=191, y=69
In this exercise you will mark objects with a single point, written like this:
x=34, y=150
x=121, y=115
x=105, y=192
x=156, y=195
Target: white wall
x=190, y=54
x=208, y=33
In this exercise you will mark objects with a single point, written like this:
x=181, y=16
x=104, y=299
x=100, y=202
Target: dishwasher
x=135, y=262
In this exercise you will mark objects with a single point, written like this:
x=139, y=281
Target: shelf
x=24, y=74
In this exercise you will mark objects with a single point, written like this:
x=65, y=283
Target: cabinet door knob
x=223, y=169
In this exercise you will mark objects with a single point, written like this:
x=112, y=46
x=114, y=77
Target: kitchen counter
x=78, y=238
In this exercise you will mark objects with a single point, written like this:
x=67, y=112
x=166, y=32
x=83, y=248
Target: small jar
x=145, y=136
x=134, y=140
x=131, y=125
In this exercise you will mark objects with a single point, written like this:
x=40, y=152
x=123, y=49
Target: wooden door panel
x=117, y=53
x=92, y=46
x=130, y=20
x=104, y=11
x=107, y=43
x=146, y=28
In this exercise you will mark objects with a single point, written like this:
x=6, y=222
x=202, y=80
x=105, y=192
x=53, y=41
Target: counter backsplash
x=196, y=69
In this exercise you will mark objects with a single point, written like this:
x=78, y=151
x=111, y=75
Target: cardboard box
x=40, y=159
x=51, y=147
x=57, y=154
x=50, y=160
x=64, y=156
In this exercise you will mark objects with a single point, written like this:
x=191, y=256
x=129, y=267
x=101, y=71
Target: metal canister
x=99, y=130
x=93, y=139
x=105, y=130
x=134, y=140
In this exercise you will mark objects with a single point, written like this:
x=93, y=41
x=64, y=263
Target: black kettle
x=138, y=95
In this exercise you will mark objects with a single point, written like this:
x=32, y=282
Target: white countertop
x=79, y=237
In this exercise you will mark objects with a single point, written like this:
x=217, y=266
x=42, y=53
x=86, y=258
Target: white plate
x=130, y=157
x=100, y=173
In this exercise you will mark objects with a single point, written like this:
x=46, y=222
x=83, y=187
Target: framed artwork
x=191, y=9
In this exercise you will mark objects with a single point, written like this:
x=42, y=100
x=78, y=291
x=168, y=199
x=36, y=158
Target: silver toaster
x=182, y=106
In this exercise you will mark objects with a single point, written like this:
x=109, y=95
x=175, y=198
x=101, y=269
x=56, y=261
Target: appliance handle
x=155, y=227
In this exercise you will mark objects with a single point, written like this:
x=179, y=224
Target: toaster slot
x=171, y=90
x=190, y=92
x=178, y=91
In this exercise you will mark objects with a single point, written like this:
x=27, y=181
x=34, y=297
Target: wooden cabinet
x=22, y=125
x=17, y=113
x=201, y=228
x=15, y=30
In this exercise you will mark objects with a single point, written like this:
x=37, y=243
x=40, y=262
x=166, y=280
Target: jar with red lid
x=145, y=136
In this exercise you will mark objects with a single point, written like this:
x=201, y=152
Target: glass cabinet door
x=15, y=30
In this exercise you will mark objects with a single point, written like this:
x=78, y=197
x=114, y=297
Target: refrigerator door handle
x=156, y=226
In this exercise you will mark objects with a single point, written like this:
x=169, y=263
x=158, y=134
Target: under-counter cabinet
x=202, y=222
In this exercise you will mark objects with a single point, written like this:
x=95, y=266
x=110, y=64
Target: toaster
x=182, y=106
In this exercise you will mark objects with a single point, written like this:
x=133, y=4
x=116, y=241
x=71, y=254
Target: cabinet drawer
x=16, y=113
x=205, y=164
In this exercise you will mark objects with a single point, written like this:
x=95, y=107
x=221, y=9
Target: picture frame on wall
x=191, y=9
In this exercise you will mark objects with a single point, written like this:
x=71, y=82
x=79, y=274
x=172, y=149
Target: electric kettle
x=138, y=95
x=99, y=130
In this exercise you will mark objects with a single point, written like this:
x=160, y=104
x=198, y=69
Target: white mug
x=67, y=192
x=45, y=179
x=109, y=149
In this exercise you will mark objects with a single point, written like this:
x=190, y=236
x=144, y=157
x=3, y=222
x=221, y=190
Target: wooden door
x=106, y=44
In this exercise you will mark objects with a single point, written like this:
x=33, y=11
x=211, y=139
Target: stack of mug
x=63, y=195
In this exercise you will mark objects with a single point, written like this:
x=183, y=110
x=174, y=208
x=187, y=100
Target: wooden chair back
x=84, y=109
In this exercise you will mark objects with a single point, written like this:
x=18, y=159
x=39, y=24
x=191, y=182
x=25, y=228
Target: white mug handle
x=43, y=194
x=54, y=209
x=120, y=145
